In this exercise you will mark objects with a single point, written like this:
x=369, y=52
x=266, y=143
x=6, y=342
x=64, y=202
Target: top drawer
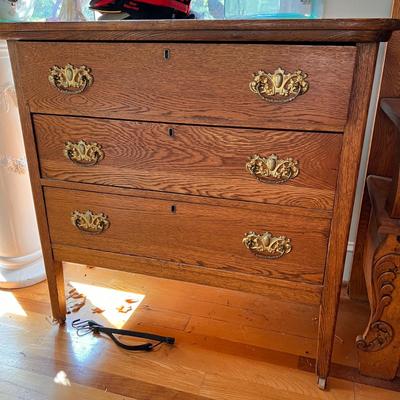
x=192, y=83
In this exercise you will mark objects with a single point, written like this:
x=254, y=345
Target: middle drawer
x=277, y=167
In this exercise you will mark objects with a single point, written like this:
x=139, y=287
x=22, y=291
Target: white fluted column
x=21, y=262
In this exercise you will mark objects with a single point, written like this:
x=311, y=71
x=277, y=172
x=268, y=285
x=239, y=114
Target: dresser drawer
x=206, y=161
x=303, y=87
x=204, y=235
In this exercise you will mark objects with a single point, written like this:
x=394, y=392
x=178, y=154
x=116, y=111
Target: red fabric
x=101, y=3
x=176, y=4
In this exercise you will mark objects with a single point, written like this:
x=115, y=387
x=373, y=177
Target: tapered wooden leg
x=55, y=281
x=327, y=322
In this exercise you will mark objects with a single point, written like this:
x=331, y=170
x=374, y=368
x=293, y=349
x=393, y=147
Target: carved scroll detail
x=379, y=333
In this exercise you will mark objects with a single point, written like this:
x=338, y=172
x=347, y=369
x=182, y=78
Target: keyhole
x=171, y=132
x=167, y=54
x=173, y=209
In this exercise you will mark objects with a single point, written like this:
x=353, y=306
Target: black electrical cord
x=88, y=326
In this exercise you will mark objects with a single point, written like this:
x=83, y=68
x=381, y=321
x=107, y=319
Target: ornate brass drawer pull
x=70, y=79
x=83, y=153
x=266, y=245
x=90, y=222
x=279, y=87
x=271, y=169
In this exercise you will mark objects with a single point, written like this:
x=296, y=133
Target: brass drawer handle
x=266, y=245
x=83, y=153
x=271, y=169
x=279, y=87
x=90, y=222
x=70, y=79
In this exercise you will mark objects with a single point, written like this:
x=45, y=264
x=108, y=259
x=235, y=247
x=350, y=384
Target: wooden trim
x=348, y=173
x=351, y=24
x=325, y=30
x=277, y=289
x=54, y=270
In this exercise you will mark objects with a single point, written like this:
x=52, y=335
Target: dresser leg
x=55, y=281
x=325, y=342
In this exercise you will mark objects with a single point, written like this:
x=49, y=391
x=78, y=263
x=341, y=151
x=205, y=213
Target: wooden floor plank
x=230, y=345
x=16, y=383
x=278, y=387
x=364, y=392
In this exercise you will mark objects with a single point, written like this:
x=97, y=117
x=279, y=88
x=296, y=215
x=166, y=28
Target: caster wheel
x=321, y=383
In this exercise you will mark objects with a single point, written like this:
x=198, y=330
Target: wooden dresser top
x=324, y=30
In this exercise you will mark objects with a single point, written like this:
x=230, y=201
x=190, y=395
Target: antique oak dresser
x=224, y=153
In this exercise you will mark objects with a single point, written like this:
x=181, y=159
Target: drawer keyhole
x=171, y=132
x=167, y=54
x=173, y=209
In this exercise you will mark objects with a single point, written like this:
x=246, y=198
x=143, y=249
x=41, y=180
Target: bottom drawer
x=281, y=245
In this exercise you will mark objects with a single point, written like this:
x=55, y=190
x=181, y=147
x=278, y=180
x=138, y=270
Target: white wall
x=358, y=8
x=361, y=9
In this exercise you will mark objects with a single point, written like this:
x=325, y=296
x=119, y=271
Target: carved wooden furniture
x=379, y=346
x=382, y=155
x=218, y=152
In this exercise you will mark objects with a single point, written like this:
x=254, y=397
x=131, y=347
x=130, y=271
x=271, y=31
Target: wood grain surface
x=380, y=358
x=54, y=271
x=229, y=346
x=391, y=107
x=197, y=238
x=205, y=236
x=379, y=189
x=350, y=160
x=278, y=289
x=325, y=30
x=383, y=152
x=134, y=81
x=204, y=161
x=149, y=194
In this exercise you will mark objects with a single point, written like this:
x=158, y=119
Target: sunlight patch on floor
x=9, y=304
x=111, y=301
x=62, y=379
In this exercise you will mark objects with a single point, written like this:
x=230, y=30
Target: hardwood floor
x=229, y=346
